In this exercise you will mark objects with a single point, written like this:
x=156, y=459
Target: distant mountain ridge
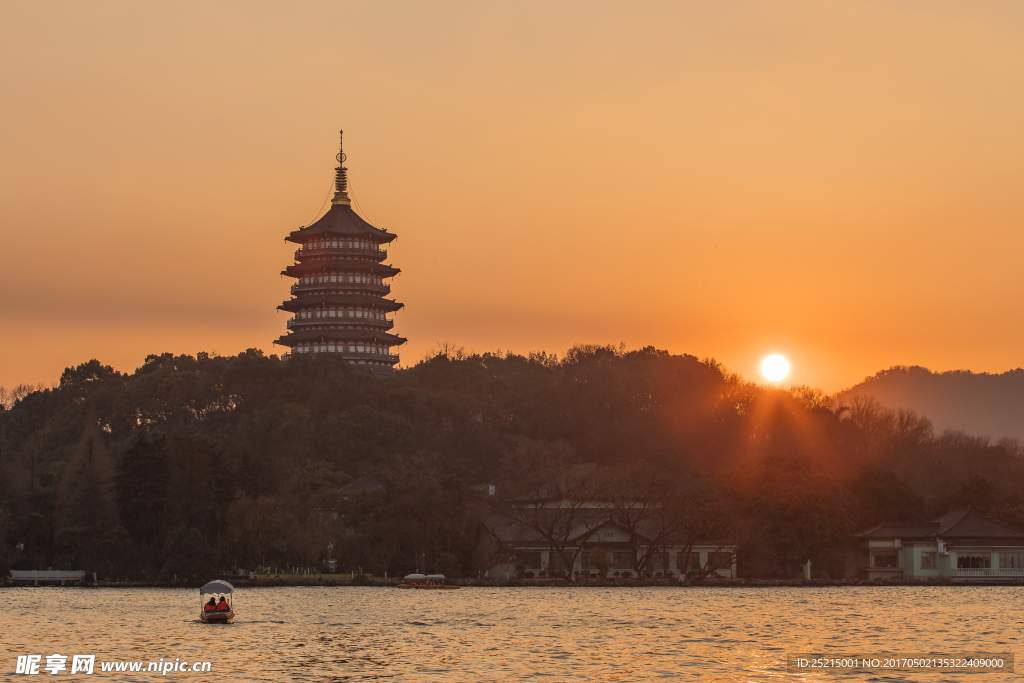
x=982, y=404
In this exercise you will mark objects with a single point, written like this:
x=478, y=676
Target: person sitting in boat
x=223, y=604
x=210, y=606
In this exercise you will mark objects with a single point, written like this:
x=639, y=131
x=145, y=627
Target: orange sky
x=839, y=182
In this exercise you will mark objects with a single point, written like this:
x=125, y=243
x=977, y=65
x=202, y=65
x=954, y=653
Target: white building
x=962, y=545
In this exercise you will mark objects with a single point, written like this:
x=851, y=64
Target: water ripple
x=483, y=634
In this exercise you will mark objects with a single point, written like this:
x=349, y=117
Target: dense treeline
x=196, y=465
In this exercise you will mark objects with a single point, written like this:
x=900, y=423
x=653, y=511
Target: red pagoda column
x=338, y=302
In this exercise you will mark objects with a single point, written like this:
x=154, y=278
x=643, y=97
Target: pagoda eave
x=298, y=303
x=344, y=335
x=340, y=219
x=319, y=258
x=307, y=267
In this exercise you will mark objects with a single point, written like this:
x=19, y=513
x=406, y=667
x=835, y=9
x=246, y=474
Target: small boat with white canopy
x=213, y=611
x=426, y=582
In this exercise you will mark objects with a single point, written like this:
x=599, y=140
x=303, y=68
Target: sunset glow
x=757, y=151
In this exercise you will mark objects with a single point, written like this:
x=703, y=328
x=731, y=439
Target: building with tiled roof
x=565, y=527
x=962, y=545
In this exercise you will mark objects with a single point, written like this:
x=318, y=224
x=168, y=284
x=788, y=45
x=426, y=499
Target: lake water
x=501, y=634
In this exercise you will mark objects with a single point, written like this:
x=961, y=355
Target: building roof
x=354, y=265
x=970, y=524
x=341, y=252
x=361, y=484
x=545, y=508
x=305, y=300
x=519, y=527
x=340, y=334
x=340, y=219
x=922, y=530
x=957, y=525
x=508, y=529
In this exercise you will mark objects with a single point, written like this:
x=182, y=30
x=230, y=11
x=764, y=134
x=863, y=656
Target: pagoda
x=338, y=302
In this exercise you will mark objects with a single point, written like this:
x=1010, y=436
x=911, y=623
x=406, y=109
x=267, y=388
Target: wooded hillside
x=192, y=465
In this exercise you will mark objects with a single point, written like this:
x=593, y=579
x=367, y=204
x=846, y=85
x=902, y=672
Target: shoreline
x=336, y=581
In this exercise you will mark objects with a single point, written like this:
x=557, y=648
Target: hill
x=977, y=403
x=190, y=465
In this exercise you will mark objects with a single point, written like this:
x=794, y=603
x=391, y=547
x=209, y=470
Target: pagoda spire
x=341, y=174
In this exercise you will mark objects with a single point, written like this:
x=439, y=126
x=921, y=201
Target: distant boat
x=427, y=582
x=214, y=614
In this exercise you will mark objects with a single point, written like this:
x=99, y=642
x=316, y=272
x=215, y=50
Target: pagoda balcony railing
x=389, y=357
x=378, y=254
x=385, y=357
x=366, y=286
x=353, y=322
x=355, y=355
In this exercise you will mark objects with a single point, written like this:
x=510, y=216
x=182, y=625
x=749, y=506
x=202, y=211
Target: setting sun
x=775, y=368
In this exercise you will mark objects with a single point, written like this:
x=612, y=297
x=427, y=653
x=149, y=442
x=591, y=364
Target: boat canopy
x=217, y=587
x=415, y=577
x=435, y=576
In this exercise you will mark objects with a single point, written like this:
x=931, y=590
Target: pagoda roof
x=306, y=267
x=314, y=299
x=342, y=334
x=340, y=220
